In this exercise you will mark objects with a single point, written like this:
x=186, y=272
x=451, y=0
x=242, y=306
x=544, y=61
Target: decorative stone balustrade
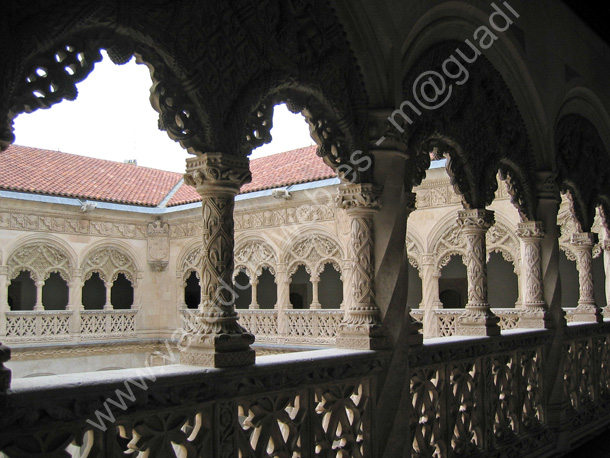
x=56, y=325
x=484, y=397
x=34, y=326
x=286, y=326
x=446, y=320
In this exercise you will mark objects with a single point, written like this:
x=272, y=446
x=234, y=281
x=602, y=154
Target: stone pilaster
x=582, y=246
x=361, y=327
x=477, y=319
x=219, y=341
x=533, y=309
x=346, y=277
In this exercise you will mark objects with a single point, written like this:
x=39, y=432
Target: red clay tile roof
x=301, y=165
x=60, y=174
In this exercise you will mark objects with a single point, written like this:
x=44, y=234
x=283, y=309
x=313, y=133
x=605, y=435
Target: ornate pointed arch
x=478, y=127
x=314, y=250
x=40, y=258
x=254, y=254
x=109, y=260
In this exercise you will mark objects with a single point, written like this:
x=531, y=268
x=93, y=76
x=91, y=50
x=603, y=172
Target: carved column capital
x=360, y=198
x=475, y=219
x=530, y=229
x=583, y=240
x=217, y=174
x=428, y=259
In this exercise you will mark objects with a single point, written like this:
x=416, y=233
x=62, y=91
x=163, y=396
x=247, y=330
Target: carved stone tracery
x=109, y=262
x=40, y=259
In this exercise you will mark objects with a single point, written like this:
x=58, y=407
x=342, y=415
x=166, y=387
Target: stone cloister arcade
x=527, y=99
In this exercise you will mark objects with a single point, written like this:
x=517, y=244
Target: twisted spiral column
x=533, y=311
x=477, y=319
x=361, y=328
x=219, y=340
x=582, y=245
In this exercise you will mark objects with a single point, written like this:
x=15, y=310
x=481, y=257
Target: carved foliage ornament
x=109, y=262
x=478, y=127
x=40, y=259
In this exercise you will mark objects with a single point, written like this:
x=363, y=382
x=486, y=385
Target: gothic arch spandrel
x=255, y=254
x=40, y=258
x=313, y=251
x=109, y=261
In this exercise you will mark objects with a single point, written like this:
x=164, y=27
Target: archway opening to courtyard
x=266, y=292
x=94, y=292
x=568, y=273
x=501, y=274
x=55, y=293
x=242, y=290
x=121, y=293
x=414, y=293
x=301, y=289
x=22, y=292
x=192, y=291
x=330, y=292
x=453, y=284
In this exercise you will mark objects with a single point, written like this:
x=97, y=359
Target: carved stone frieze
x=59, y=224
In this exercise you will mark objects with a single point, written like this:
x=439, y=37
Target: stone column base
x=361, y=338
x=477, y=322
x=587, y=315
x=224, y=350
x=533, y=318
